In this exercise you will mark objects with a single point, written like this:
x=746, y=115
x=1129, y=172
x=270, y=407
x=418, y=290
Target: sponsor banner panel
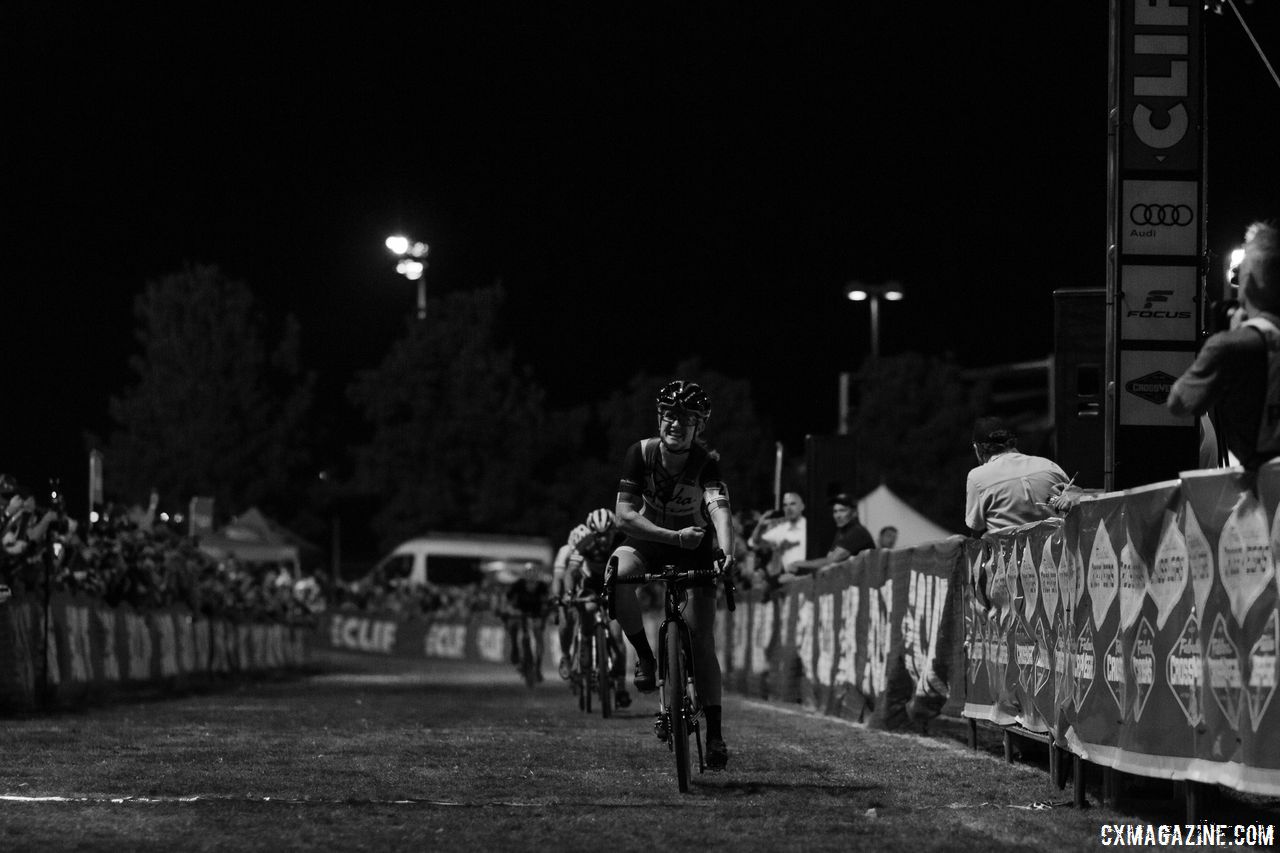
x=1160, y=636
x=804, y=642
x=764, y=640
x=930, y=625
x=980, y=702
x=786, y=663
x=480, y=637
x=896, y=685
x=93, y=649
x=1160, y=102
x=830, y=595
x=1145, y=379
x=852, y=659
x=1099, y=671
x=1261, y=627
x=1209, y=507
x=1159, y=218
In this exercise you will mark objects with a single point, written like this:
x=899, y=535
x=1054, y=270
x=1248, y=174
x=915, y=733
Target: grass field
x=378, y=755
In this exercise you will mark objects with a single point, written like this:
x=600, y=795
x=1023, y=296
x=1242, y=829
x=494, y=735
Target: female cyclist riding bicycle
x=670, y=484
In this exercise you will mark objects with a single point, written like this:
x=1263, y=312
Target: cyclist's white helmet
x=601, y=521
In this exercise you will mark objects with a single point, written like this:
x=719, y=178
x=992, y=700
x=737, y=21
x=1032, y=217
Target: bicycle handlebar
x=670, y=574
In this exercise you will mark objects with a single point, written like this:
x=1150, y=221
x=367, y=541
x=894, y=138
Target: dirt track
x=395, y=755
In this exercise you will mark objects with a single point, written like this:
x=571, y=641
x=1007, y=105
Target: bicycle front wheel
x=603, y=680
x=677, y=699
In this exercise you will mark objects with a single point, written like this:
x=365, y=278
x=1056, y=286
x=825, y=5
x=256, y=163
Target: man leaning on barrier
x=1009, y=488
x=1236, y=375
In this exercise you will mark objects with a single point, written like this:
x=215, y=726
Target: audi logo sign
x=1161, y=214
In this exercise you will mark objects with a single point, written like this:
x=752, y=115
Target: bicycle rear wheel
x=586, y=671
x=527, y=663
x=603, y=680
x=676, y=701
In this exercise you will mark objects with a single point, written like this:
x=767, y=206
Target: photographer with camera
x=1236, y=376
x=779, y=537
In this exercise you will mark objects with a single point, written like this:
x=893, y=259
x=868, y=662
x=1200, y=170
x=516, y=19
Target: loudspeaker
x=1079, y=383
x=830, y=465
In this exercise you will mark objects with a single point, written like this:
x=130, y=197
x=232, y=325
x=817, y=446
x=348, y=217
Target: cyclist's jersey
x=530, y=598
x=673, y=501
x=587, y=566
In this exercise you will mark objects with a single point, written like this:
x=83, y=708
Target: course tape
x=309, y=801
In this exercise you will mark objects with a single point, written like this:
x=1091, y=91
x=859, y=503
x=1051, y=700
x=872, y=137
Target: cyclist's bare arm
x=632, y=523
x=722, y=521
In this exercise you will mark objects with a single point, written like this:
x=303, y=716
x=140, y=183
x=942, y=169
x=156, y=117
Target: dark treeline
x=455, y=433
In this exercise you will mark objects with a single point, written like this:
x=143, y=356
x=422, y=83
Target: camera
x=1220, y=311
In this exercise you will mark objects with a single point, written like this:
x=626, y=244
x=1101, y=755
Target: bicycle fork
x=662, y=725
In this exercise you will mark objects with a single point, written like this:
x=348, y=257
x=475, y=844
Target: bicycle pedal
x=662, y=728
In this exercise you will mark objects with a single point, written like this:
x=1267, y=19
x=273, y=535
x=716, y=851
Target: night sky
x=648, y=184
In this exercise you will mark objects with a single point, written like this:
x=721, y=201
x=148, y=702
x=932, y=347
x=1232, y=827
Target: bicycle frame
x=594, y=652
x=680, y=705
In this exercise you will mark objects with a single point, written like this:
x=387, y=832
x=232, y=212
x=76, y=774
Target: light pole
x=856, y=291
x=411, y=265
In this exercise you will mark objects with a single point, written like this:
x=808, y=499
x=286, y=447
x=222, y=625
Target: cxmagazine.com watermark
x=1187, y=835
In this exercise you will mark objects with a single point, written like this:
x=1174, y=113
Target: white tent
x=882, y=508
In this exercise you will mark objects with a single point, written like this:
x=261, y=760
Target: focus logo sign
x=1159, y=218
x=1158, y=302
x=1184, y=669
x=1154, y=387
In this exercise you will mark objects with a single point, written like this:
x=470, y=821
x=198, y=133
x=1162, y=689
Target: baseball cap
x=842, y=499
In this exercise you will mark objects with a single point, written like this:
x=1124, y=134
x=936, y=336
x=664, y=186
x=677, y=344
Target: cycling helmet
x=688, y=396
x=577, y=534
x=600, y=521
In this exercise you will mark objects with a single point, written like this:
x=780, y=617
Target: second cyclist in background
x=586, y=565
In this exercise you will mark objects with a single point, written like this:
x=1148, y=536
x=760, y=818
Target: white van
x=457, y=559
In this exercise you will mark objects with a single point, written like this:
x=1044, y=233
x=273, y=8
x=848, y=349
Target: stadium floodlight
x=411, y=266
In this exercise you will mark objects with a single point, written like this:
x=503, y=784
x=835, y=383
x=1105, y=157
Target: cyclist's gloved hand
x=723, y=562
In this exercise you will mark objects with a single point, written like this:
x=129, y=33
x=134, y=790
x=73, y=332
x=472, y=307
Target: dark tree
x=457, y=427
x=912, y=426
x=214, y=410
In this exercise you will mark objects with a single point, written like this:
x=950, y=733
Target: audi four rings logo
x=1161, y=214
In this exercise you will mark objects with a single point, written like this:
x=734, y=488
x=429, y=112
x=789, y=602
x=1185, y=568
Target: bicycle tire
x=675, y=695
x=586, y=671
x=603, y=679
x=527, y=663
